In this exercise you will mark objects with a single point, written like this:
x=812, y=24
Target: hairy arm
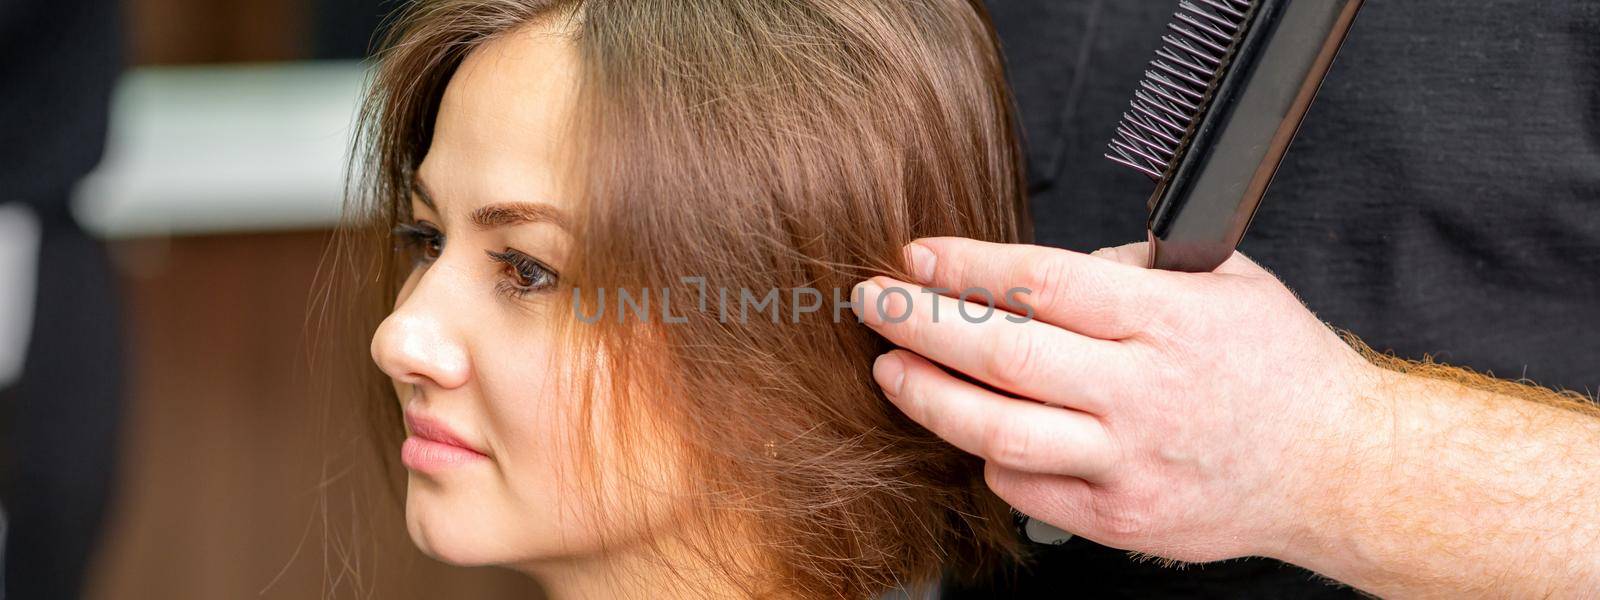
x=1466, y=485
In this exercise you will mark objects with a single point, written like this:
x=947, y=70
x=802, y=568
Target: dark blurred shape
x=58, y=62
x=2, y=552
x=166, y=32
x=66, y=409
x=345, y=29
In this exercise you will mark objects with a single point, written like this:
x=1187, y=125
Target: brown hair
x=758, y=145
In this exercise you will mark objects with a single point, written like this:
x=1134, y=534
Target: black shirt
x=1443, y=199
x=58, y=62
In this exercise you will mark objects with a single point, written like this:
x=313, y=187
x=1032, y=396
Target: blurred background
x=171, y=173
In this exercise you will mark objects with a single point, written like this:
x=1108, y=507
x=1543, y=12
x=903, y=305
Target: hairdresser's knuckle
x=930, y=399
x=1143, y=320
x=1098, y=452
x=1162, y=320
x=1123, y=520
x=1014, y=360
x=1046, y=276
x=952, y=266
x=901, y=322
x=921, y=400
x=1010, y=442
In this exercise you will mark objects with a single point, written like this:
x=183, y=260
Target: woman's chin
x=450, y=534
x=442, y=545
x=473, y=528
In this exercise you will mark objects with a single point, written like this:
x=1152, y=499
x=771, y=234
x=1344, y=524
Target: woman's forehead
x=503, y=126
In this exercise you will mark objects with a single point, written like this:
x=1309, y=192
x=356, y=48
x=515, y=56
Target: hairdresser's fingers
x=1060, y=500
x=1031, y=359
x=1239, y=264
x=1017, y=434
x=1091, y=295
x=1136, y=254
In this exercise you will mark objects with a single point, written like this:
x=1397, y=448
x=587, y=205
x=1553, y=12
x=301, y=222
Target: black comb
x=1216, y=112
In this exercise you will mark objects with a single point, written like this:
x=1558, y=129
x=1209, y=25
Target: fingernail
x=866, y=295
x=890, y=371
x=922, y=261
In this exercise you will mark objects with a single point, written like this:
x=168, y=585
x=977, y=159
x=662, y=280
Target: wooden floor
x=230, y=485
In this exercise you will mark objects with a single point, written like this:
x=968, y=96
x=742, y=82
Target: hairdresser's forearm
x=1458, y=491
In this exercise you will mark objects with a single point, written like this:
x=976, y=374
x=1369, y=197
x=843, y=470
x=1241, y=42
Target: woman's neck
x=665, y=570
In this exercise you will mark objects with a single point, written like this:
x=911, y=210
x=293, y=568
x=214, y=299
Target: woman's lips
x=432, y=447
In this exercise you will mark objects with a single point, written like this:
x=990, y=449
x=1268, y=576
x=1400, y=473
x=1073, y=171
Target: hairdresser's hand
x=1195, y=417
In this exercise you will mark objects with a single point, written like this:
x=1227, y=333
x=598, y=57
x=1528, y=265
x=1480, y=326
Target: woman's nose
x=416, y=344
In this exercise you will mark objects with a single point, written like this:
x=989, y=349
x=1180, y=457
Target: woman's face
x=470, y=346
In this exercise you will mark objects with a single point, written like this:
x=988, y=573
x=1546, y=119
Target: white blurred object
x=214, y=149
x=19, y=269
x=1040, y=532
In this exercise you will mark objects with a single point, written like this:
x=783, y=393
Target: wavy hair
x=756, y=144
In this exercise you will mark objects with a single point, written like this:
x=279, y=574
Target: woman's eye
x=525, y=274
x=422, y=240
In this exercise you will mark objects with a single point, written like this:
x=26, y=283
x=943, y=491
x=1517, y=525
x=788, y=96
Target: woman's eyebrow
x=421, y=190
x=517, y=213
x=503, y=214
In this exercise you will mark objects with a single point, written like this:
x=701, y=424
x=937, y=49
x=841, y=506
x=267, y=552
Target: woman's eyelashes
x=524, y=274
x=420, y=240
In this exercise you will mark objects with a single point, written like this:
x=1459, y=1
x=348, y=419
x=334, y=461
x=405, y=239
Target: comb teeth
x=1177, y=88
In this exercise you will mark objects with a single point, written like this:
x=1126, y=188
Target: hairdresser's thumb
x=1136, y=254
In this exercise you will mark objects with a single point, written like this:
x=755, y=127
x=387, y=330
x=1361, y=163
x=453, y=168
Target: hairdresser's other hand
x=1195, y=417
